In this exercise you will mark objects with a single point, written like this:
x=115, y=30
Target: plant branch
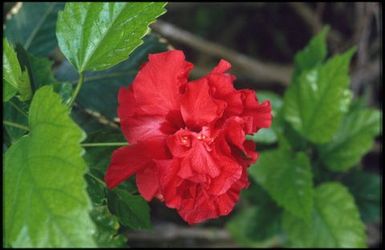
x=15, y=125
x=255, y=69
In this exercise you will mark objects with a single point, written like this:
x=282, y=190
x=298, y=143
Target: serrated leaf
x=39, y=68
x=107, y=226
x=14, y=79
x=366, y=189
x=354, y=138
x=335, y=221
x=103, y=86
x=288, y=179
x=34, y=27
x=96, y=36
x=315, y=102
x=314, y=53
x=131, y=210
x=46, y=204
x=268, y=135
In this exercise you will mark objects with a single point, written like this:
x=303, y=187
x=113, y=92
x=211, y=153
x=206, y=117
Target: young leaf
x=46, y=204
x=314, y=53
x=34, y=27
x=131, y=210
x=288, y=179
x=354, y=139
x=97, y=36
x=335, y=222
x=315, y=101
x=14, y=79
x=366, y=189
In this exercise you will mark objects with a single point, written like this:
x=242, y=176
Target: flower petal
x=198, y=108
x=157, y=85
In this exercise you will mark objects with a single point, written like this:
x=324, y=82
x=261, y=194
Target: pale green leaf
x=96, y=36
x=46, y=204
x=335, y=221
x=315, y=102
x=14, y=79
x=131, y=210
x=354, y=138
x=33, y=26
x=288, y=179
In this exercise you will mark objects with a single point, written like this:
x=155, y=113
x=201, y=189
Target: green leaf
x=107, y=226
x=268, y=135
x=34, y=27
x=103, y=86
x=354, y=138
x=366, y=189
x=255, y=227
x=315, y=102
x=288, y=179
x=313, y=54
x=98, y=159
x=46, y=204
x=14, y=79
x=131, y=210
x=39, y=68
x=15, y=111
x=335, y=222
x=97, y=36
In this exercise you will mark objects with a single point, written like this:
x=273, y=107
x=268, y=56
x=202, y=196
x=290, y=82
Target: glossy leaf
x=34, y=27
x=97, y=36
x=317, y=99
x=353, y=140
x=14, y=78
x=131, y=210
x=335, y=221
x=288, y=179
x=46, y=204
x=103, y=86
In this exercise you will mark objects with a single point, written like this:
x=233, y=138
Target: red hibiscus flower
x=187, y=138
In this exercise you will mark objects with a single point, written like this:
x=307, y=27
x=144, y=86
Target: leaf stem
x=97, y=179
x=76, y=92
x=18, y=109
x=15, y=125
x=105, y=144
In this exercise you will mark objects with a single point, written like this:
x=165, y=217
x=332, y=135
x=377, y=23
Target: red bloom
x=188, y=145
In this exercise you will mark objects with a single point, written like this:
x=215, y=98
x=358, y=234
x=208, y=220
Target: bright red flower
x=188, y=145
